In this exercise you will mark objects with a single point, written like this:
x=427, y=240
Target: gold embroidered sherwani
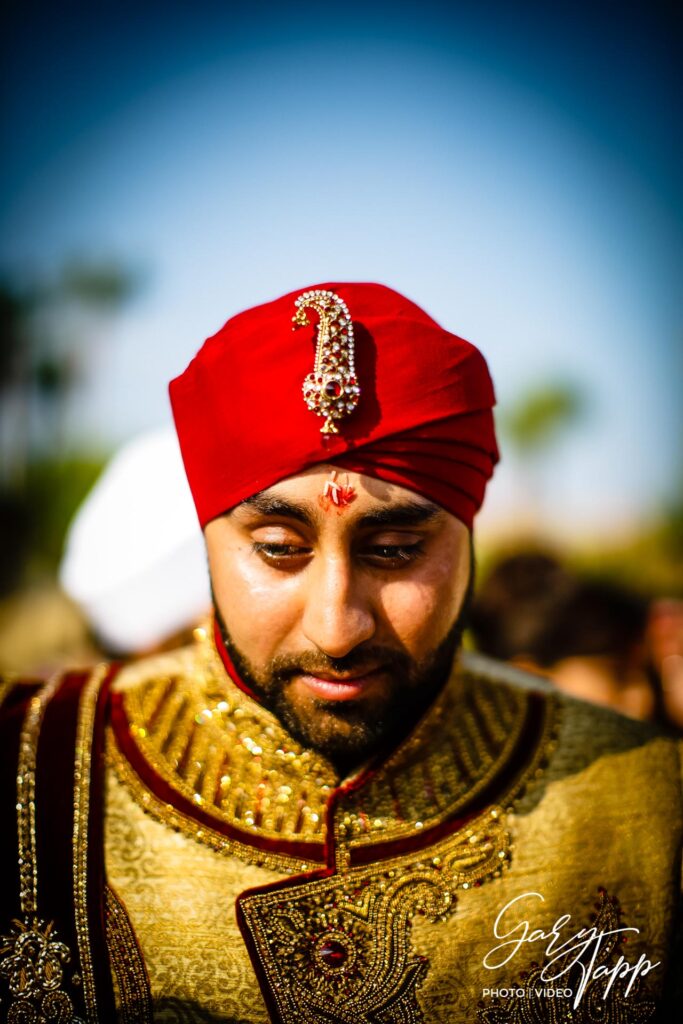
x=241, y=880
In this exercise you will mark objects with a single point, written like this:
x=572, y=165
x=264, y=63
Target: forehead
x=302, y=497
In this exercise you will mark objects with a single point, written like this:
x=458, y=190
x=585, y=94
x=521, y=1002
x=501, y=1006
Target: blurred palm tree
x=49, y=330
x=542, y=415
x=533, y=426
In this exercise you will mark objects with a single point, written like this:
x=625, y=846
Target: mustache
x=364, y=658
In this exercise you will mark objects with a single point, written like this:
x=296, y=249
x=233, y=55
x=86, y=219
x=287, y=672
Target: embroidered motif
x=536, y=1007
x=32, y=960
x=338, y=948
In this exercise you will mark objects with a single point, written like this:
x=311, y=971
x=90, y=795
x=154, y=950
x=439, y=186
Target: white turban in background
x=134, y=559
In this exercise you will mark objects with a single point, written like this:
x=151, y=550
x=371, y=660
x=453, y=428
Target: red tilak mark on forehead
x=336, y=495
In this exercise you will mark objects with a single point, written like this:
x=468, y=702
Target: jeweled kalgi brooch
x=331, y=389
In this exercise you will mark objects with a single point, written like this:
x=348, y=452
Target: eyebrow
x=404, y=513
x=269, y=505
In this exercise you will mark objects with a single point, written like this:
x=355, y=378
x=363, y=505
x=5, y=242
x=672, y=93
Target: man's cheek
x=250, y=601
x=413, y=611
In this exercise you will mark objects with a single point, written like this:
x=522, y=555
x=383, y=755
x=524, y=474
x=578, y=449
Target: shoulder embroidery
x=45, y=978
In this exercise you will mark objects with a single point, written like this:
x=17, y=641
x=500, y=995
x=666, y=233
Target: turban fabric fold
x=424, y=418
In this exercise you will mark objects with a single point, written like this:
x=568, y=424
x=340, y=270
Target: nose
x=338, y=614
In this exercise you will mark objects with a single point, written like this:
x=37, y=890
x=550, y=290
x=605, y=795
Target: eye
x=280, y=555
x=393, y=555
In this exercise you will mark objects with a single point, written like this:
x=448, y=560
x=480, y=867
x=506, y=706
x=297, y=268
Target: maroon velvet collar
x=228, y=663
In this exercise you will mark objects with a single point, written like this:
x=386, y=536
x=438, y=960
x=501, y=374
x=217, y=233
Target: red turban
x=423, y=418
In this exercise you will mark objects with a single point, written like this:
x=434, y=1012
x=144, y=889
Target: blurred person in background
x=590, y=637
x=133, y=576
x=665, y=645
x=322, y=809
x=134, y=559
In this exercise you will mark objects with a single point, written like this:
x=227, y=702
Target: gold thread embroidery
x=169, y=816
x=464, y=742
x=224, y=752
x=32, y=958
x=344, y=823
x=357, y=924
x=339, y=948
x=129, y=972
x=84, y=739
x=232, y=758
x=26, y=793
x=413, y=792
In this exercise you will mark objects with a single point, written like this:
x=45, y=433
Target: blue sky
x=516, y=170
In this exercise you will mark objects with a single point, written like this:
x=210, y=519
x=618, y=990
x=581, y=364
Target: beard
x=349, y=732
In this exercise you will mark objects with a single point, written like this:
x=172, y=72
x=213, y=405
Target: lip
x=339, y=688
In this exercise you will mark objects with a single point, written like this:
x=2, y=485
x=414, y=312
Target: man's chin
x=339, y=730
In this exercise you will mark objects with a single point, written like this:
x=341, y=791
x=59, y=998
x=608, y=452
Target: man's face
x=343, y=620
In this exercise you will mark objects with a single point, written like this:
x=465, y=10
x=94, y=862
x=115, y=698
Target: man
x=321, y=811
